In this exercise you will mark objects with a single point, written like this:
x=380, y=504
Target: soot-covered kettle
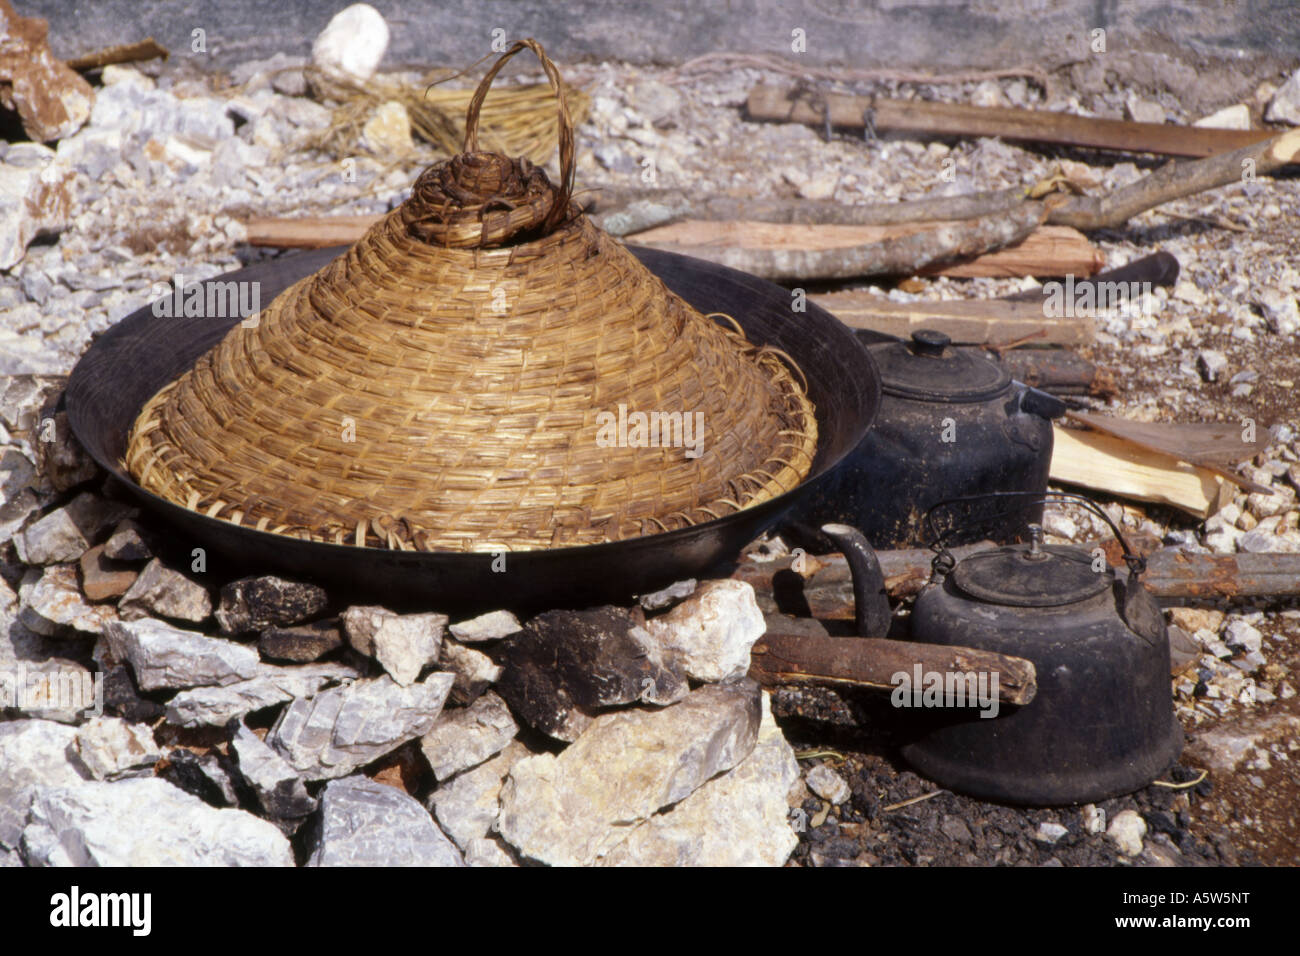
x=952, y=422
x=1102, y=722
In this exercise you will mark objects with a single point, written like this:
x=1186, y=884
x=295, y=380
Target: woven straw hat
x=484, y=370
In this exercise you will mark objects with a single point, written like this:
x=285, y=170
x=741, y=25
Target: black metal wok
x=130, y=362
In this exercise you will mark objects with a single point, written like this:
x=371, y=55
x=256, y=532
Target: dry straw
x=441, y=385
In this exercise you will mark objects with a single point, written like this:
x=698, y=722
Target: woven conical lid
x=485, y=370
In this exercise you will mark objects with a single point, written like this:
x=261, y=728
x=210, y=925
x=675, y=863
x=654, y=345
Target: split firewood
x=1102, y=462
x=967, y=321
x=1215, y=446
x=782, y=658
x=953, y=119
x=147, y=49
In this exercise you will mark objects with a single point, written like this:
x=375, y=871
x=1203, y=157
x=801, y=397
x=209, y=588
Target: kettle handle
x=944, y=559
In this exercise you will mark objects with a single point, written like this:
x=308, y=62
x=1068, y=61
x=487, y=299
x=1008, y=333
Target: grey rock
x=343, y=728
x=467, y=805
x=475, y=671
x=573, y=808
x=464, y=738
x=254, y=604
x=278, y=790
x=364, y=823
x=1284, y=107
x=1240, y=633
x=167, y=593
x=110, y=748
x=303, y=643
x=667, y=597
x=404, y=644
x=128, y=542
x=486, y=627
x=163, y=656
x=740, y=818
x=484, y=851
x=64, y=533
x=565, y=665
x=33, y=753
x=711, y=631
x=12, y=858
x=828, y=784
x=1050, y=832
x=51, y=688
x=217, y=706
x=201, y=775
x=51, y=600
x=122, y=697
x=144, y=822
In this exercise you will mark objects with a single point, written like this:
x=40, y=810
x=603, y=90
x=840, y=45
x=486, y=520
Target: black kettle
x=1102, y=723
x=952, y=422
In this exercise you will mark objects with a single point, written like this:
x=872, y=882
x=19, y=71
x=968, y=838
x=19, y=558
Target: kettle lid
x=928, y=369
x=1031, y=575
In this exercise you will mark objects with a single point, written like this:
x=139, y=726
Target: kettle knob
x=929, y=342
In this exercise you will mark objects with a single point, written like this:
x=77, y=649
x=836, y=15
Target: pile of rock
x=163, y=719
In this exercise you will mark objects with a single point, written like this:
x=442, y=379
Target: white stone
x=353, y=42
x=1094, y=818
x=343, y=728
x=35, y=199
x=388, y=131
x=467, y=805
x=217, y=706
x=33, y=753
x=144, y=822
x=740, y=818
x=1239, y=632
x=486, y=627
x=571, y=809
x=162, y=656
x=404, y=644
x=1050, y=832
x=828, y=784
x=1127, y=830
x=51, y=599
x=1145, y=111
x=712, y=631
x=110, y=747
x=1236, y=116
x=485, y=851
x=466, y=737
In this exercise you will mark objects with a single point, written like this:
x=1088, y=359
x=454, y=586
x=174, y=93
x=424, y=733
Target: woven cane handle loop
x=561, y=205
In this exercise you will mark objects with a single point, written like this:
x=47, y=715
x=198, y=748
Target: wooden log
x=147, y=49
x=1091, y=459
x=1047, y=251
x=873, y=663
x=1058, y=372
x=972, y=322
x=950, y=119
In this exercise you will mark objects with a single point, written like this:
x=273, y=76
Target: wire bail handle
x=560, y=206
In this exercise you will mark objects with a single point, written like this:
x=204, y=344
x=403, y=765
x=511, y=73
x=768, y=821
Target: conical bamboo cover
x=485, y=370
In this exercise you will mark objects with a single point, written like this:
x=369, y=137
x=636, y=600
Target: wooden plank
x=1103, y=462
x=1047, y=251
x=971, y=322
x=953, y=119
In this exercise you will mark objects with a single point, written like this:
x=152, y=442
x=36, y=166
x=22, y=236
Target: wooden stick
x=874, y=663
x=950, y=119
x=310, y=232
x=147, y=49
x=1176, y=574
x=1058, y=371
x=896, y=255
x=1046, y=252
x=1177, y=180
x=968, y=321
